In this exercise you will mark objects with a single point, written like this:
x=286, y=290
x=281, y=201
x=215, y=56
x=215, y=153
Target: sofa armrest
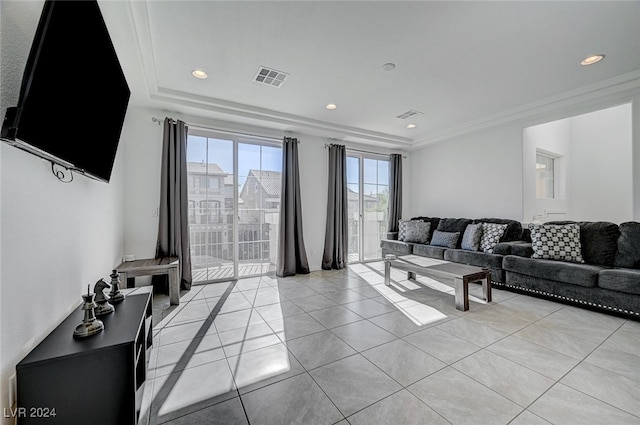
x=393, y=236
x=519, y=248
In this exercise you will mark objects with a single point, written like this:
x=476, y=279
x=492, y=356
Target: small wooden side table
x=154, y=266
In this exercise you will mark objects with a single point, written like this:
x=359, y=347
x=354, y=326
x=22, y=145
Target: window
x=214, y=183
x=546, y=181
x=210, y=210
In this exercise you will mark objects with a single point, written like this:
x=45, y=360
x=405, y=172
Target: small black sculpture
x=115, y=296
x=102, y=301
x=90, y=325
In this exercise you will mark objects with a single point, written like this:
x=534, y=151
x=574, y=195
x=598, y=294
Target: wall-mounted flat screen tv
x=74, y=95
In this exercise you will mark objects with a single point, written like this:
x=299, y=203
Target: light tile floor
x=339, y=347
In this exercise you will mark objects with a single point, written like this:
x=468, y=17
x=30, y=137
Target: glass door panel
x=353, y=209
x=368, y=183
x=259, y=184
x=376, y=191
x=210, y=170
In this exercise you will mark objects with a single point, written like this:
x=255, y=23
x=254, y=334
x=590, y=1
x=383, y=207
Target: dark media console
x=97, y=380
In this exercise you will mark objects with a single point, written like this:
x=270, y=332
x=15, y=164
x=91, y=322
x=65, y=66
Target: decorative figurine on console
x=102, y=301
x=90, y=325
x=115, y=296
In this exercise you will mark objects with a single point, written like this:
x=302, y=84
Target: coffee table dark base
x=461, y=274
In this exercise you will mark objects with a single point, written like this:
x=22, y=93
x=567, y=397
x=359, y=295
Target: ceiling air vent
x=270, y=77
x=409, y=114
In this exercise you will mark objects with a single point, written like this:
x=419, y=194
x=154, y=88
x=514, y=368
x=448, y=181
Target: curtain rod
x=326, y=145
x=199, y=127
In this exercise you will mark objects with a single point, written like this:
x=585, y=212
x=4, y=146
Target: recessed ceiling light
x=411, y=126
x=592, y=59
x=331, y=106
x=389, y=66
x=198, y=73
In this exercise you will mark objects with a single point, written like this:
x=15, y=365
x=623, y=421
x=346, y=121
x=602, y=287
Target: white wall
x=56, y=238
x=597, y=167
x=481, y=174
x=474, y=176
x=601, y=175
x=142, y=182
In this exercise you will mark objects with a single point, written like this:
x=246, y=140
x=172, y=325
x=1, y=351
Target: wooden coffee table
x=461, y=274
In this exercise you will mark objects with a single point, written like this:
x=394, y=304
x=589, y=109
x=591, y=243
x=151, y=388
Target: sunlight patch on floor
x=419, y=313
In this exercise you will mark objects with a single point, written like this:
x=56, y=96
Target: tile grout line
x=557, y=381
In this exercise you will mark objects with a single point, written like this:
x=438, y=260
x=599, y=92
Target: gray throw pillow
x=471, y=237
x=445, y=239
x=556, y=242
x=417, y=232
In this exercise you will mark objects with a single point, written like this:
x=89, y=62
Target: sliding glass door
x=234, y=206
x=368, y=199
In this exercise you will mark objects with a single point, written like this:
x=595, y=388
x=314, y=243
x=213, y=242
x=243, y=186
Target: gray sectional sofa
x=492, y=261
x=608, y=280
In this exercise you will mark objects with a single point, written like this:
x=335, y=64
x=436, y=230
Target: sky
x=218, y=151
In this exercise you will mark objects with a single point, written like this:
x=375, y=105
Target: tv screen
x=74, y=95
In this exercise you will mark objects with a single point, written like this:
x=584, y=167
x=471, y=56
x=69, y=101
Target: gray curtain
x=292, y=257
x=173, y=230
x=395, y=191
x=335, y=254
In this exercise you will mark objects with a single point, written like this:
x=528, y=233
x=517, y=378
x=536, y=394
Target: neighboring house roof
x=269, y=180
x=203, y=167
x=352, y=195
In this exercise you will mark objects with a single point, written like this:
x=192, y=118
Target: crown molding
x=618, y=89
x=225, y=107
x=621, y=88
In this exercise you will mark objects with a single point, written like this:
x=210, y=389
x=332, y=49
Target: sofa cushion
x=479, y=259
x=491, y=235
x=559, y=271
x=628, y=246
x=599, y=241
x=454, y=225
x=471, y=237
x=395, y=247
x=417, y=231
x=623, y=280
x=514, y=228
x=556, y=242
x=445, y=239
x=429, y=251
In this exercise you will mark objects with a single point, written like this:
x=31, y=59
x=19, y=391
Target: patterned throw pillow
x=556, y=242
x=445, y=239
x=471, y=237
x=417, y=232
x=491, y=234
x=402, y=229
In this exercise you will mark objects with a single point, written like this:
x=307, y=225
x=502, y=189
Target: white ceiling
x=463, y=64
